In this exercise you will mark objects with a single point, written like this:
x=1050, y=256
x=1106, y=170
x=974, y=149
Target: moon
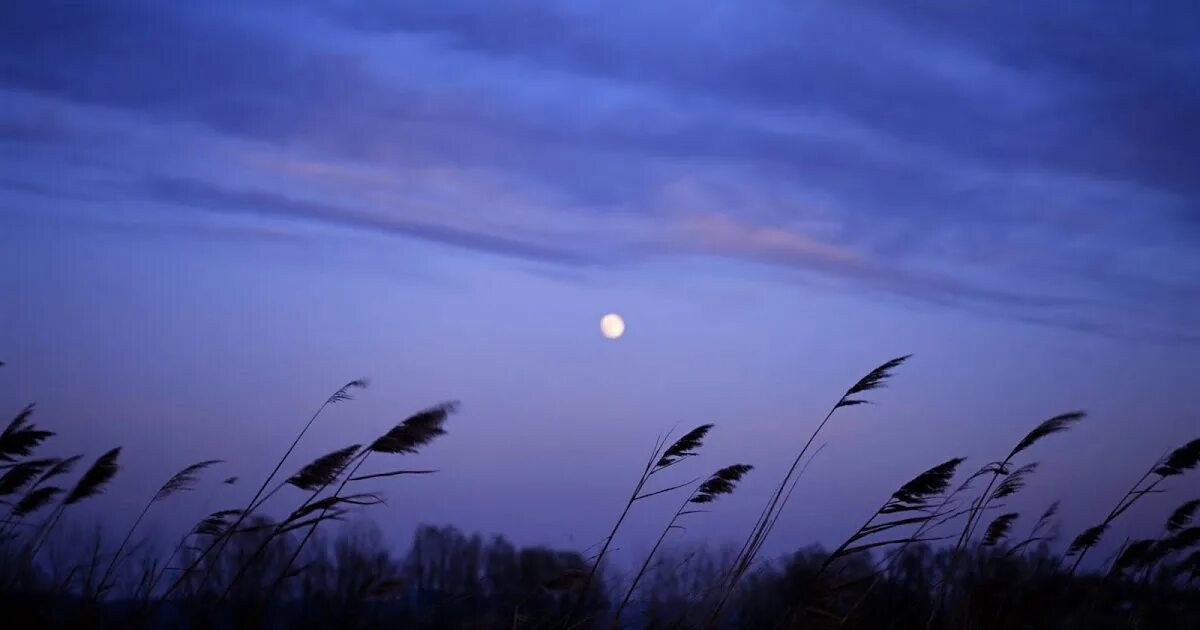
x=612, y=326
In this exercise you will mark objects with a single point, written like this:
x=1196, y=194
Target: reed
x=720, y=483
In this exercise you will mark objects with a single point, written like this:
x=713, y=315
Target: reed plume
x=181, y=481
x=21, y=474
x=21, y=436
x=720, y=483
x=1175, y=463
x=1003, y=468
x=324, y=470
x=875, y=379
x=999, y=528
x=90, y=484
x=1182, y=516
x=662, y=457
x=1035, y=533
x=406, y=437
x=911, y=506
x=344, y=393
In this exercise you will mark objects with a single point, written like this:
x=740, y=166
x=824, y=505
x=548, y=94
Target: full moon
x=612, y=326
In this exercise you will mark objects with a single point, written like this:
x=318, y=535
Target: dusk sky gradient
x=214, y=214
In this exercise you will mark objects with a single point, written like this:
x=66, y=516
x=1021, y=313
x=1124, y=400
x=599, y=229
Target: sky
x=214, y=214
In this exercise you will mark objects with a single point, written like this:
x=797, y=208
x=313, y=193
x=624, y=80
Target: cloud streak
x=922, y=153
x=214, y=199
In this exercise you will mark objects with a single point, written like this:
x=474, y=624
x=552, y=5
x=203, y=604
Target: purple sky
x=214, y=214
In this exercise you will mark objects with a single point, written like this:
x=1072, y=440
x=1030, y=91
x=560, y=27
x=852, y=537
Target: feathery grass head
x=35, y=500
x=721, y=482
x=876, y=379
x=229, y=481
x=1014, y=481
x=60, y=467
x=182, y=480
x=1087, y=539
x=1049, y=427
x=1044, y=519
x=21, y=436
x=93, y=481
x=1182, y=516
x=1180, y=460
x=344, y=393
x=215, y=524
x=685, y=446
x=20, y=474
x=1183, y=539
x=1035, y=534
x=998, y=529
x=916, y=493
x=323, y=470
x=416, y=431
x=1134, y=554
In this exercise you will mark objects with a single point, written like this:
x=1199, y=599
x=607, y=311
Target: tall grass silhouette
x=766, y=522
x=938, y=552
x=1174, y=464
x=342, y=394
x=720, y=483
x=662, y=458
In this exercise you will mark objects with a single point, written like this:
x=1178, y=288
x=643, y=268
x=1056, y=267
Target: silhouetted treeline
x=448, y=579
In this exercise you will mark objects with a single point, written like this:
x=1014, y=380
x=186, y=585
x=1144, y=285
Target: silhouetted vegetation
x=936, y=554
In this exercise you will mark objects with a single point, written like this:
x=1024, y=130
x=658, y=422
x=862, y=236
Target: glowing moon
x=612, y=326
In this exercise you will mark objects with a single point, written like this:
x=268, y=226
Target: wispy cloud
x=922, y=153
x=211, y=198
